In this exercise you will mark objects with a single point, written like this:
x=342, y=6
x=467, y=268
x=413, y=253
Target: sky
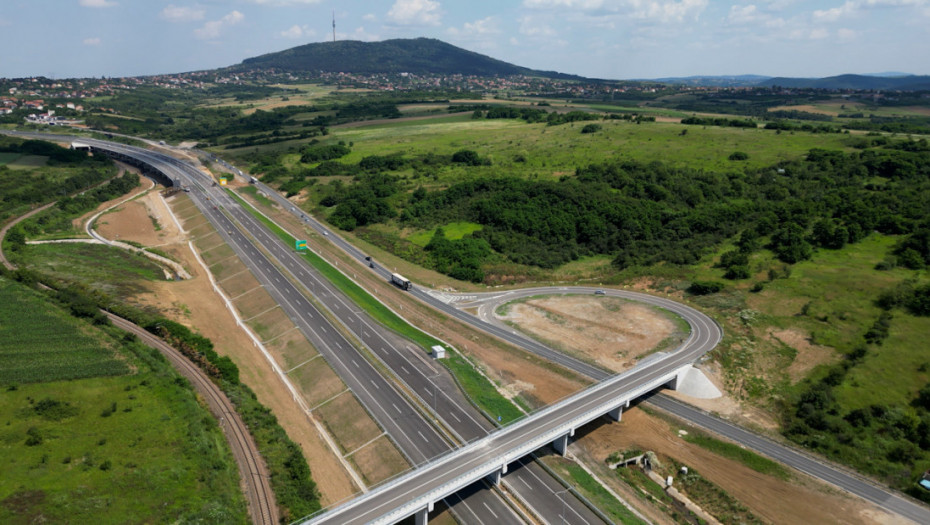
x=612, y=39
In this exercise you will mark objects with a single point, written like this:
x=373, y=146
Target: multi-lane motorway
x=290, y=300
x=802, y=461
x=292, y=282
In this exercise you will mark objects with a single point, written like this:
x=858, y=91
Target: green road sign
x=300, y=245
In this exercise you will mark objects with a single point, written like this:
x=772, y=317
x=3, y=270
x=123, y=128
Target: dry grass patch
x=348, y=422
x=809, y=355
x=238, y=285
x=254, y=302
x=229, y=268
x=291, y=348
x=193, y=220
x=378, y=461
x=316, y=381
x=271, y=323
x=199, y=229
x=611, y=332
x=217, y=253
x=208, y=243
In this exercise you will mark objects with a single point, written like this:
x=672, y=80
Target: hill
x=403, y=55
x=716, y=81
x=857, y=82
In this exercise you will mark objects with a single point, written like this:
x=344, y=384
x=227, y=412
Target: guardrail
x=500, y=461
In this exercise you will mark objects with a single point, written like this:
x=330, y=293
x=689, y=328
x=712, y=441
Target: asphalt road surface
x=791, y=457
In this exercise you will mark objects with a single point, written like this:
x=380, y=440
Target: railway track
x=262, y=506
x=256, y=487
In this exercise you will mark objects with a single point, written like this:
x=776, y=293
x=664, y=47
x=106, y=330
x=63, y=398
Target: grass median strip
x=476, y=387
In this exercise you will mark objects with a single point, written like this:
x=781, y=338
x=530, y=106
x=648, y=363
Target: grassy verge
x=476, y=386
x=752, y=460
x=591, y=489
x=712, y=498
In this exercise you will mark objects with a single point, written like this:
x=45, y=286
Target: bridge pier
x=560, y=444
x=495, y=477
x=421, y=516
x=616, y=414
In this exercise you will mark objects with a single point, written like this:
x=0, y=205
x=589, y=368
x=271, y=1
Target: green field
x=78, y=447
x=26, y=162
x=453, y=231
x=99, y=266
x=8, y=157
x=552, y=151
x=38, y=343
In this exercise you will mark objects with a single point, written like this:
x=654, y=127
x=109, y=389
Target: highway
x=417, y=439
x=803, y=462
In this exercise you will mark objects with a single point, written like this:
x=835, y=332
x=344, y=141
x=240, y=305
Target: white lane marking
x=422, y=436
x=397, y=409
x=491, y=511
x=455, y=416
x=354, y=363
x=375, y=384
x=404, y=369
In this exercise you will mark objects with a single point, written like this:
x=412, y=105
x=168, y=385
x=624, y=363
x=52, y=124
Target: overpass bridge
x=415, y=493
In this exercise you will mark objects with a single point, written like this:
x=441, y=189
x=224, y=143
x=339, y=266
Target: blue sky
x=617, y=39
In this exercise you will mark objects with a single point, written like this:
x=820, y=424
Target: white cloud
x=283, y=2
x=415, y=13
x=659, y=10
x=846, y=34
x=533, y=27
x=478, y=28
x=856, y=7
x=369, y=17
x=213, y=28
x=358, y=34
x=296, y=32
x=835, y=13
x=173, y=13
x=97, y=3
x=818, y=33
x=95, y=41
x=752, y=15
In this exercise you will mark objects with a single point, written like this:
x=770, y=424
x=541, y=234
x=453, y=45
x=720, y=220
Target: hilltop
x=403, y=55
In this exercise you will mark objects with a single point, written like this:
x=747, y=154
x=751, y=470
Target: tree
x=469, y=158
x=789, y=244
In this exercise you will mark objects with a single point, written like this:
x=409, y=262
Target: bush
x=591, y=128
x=738, y=155
x=321, y=153
x=704, y=287
x=469, y=158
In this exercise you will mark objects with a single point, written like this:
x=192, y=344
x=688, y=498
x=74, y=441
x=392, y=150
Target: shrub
x=591, y=128
x=704, y=287
x=738, y=155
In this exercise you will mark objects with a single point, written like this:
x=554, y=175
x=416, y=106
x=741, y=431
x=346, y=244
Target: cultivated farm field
x=38, y=343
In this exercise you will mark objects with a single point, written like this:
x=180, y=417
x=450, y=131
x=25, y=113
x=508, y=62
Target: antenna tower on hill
x=334, y=25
